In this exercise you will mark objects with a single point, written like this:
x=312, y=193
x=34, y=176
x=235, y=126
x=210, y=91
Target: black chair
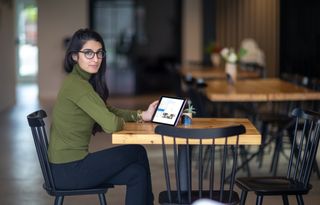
x=305, y=130
x=272, y=117
x=315, y=85
x=278, y=118
x=179, y=167
x=37, y=125
x=253, y=66
x=196, y=93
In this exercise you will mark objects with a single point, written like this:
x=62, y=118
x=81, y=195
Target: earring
x=74, y=57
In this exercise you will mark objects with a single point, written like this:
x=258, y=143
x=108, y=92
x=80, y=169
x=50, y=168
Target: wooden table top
x=208, y=73
x=255, y=90
x=143, y=133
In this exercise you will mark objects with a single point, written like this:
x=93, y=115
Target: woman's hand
x=147, y=114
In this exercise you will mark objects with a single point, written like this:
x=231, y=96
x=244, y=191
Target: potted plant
x=213, y=49
x=187, y=113
x=231, y=58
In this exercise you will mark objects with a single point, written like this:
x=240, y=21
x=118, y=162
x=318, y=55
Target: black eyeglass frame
x=87, y=53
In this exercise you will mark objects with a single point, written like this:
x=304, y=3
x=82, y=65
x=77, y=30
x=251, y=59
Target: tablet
x=169, y=110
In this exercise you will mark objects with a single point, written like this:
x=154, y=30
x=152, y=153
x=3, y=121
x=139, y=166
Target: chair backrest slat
x=234, y=150
x=166, y=169
x=206, y=184
x=305, y=156
x=37, y=125
x=212, y=167
x=189, y=179
x=200, y=172
x=176, y=165
x=305, y=140
x=314, y=149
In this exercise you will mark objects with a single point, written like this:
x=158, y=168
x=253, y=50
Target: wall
x=300, y=38
x=191, y=31
x=259, y=20
x=7, y=53
x=57, y=20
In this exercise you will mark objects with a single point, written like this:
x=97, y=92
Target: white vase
x=215, y=59
x=231, y=71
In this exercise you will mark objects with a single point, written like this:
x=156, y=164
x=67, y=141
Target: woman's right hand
x=147, y=114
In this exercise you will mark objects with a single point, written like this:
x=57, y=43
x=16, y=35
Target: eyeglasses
x=89, y=54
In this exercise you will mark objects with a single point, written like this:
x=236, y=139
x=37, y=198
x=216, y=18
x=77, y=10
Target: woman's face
x=89, y=57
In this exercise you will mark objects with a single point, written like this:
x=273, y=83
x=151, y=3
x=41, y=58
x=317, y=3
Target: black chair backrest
x=39, y=134
x=176, y=77
x=314, y=83
x=198, y=98
x=305, y=133
x=253, y=66
x=215, y=138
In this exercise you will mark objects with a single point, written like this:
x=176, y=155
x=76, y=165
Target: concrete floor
x=21, y=178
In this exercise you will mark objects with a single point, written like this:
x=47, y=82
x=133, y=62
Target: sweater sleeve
x=94, y=106
x=127, y=115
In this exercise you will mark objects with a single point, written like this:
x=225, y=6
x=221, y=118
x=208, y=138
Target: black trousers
x=124, y=165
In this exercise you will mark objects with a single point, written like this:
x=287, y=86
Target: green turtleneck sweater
x=76, y=110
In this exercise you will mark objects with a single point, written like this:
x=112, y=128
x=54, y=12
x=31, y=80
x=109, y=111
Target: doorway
x=26, y=39
x=143, y=39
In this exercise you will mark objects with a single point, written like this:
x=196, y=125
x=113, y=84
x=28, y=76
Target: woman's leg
x=119, y=165
x=135, y=177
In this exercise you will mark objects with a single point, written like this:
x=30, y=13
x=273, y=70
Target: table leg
x=183, y=165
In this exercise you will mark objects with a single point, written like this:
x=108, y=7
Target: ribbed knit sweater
x=76, y=110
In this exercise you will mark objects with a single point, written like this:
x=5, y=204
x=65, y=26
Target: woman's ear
x=74, y=57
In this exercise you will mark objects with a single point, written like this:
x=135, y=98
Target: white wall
x=58, y=19
x=7, y=56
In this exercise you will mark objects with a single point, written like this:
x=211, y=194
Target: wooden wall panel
x=257, y=19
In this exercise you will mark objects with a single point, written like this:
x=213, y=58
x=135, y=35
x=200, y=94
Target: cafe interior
x=245, y=61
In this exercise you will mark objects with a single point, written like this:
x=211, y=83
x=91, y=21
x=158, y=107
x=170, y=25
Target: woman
x=80, y=111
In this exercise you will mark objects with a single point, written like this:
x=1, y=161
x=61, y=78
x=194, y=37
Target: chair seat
x=163, y=197
x=272, y=185
x=69, y=192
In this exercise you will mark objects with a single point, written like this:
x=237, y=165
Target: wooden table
x=143, y=133
x=258, y=90
x=209, y=73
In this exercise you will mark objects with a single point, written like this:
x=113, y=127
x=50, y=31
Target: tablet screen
x=168, y=110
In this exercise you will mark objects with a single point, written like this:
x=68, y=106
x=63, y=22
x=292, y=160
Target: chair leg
x=285, y=200
x=58, y=200
x=243, y=197
x=264, y=134
x=300, y=199
x=275, y=157
x=259, y=200
x=244, y=157
x=102, y=199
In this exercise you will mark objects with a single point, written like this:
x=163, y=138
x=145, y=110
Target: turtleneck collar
x=83, y=74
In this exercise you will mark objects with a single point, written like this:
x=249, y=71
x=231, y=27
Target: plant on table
x=231, y=56
x=190, y=108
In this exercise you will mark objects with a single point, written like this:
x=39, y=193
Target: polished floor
x=20, y=175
